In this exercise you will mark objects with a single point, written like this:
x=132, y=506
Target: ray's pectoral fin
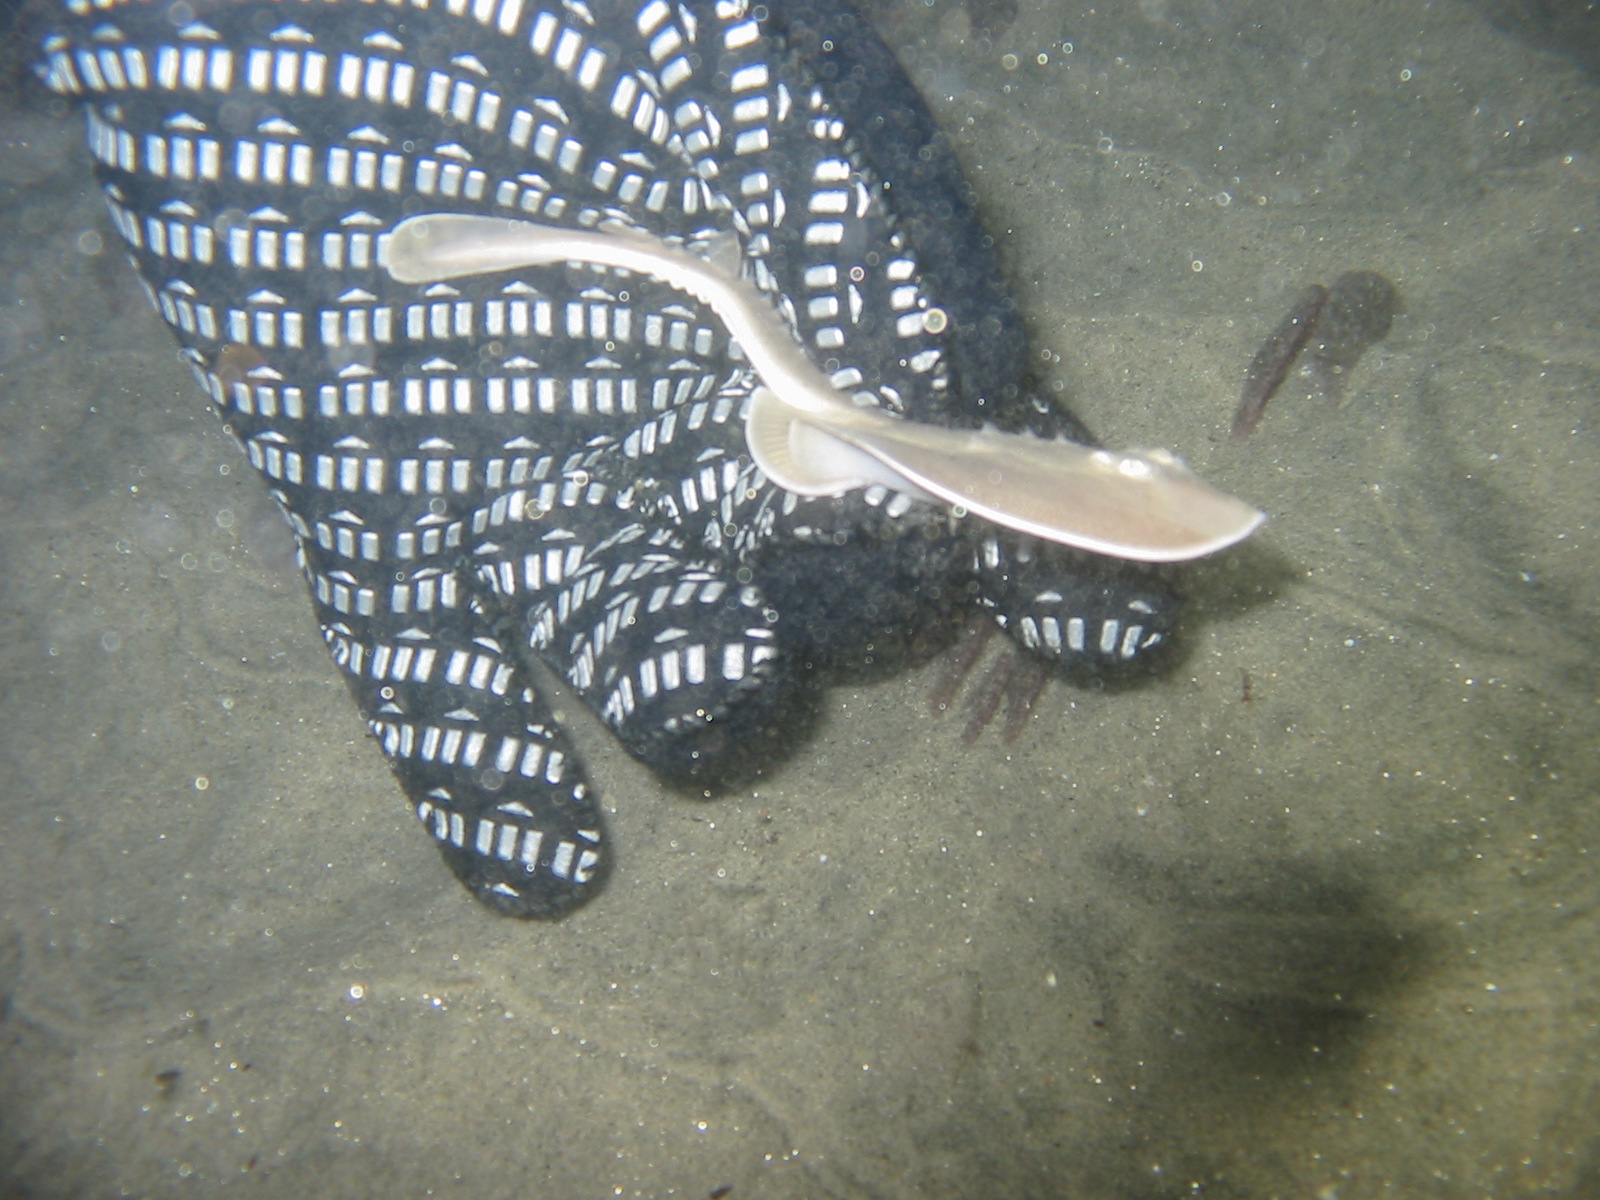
x=811, y=459
x=812, y=439
x=1145, y=506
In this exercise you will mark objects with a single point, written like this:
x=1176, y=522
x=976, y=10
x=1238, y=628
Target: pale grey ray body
x=807, y=437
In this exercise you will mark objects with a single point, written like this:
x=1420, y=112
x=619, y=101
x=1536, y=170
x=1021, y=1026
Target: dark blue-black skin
x=467, y=490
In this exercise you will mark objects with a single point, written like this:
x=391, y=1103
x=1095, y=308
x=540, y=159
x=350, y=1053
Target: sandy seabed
x=1312, y=913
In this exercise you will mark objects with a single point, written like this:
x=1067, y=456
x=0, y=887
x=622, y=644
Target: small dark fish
x=1336, y=324
x=1270, y=367
x=1359, y=311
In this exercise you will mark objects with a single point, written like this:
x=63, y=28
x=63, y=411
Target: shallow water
x=1312, y=913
